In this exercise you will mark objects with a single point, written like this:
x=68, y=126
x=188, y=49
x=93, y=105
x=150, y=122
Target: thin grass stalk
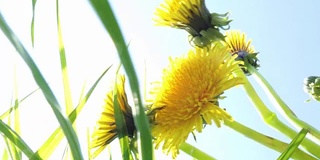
x=14, y=107
x=63, y=63
x=53, y=141
x=32, y=21
x=88, y=142
x=5, y=155
x=16, y=115
x=13, y=151
x=11, y=145
x=65, y=75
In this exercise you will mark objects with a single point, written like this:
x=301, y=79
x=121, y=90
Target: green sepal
x=220, y=20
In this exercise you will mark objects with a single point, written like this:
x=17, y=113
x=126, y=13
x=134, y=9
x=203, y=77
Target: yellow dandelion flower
x=105, y=131
x=240, y=46
x=189, y=93
x=194, y=17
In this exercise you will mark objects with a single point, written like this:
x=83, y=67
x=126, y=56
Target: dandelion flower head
x=242, y=48
x=105, y=130
x=194, y=17
x=187, y=97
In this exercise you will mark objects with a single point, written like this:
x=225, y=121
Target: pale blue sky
x=286, y=33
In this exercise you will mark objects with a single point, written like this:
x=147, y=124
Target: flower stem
x=271, y=119
x=281, y=106
x=195, y=152
x=265, y=140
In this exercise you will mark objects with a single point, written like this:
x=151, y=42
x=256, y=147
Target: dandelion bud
x=312, y=87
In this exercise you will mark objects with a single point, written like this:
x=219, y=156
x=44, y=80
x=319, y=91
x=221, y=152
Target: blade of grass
x=66, y=126
x=65, y=155
x=64, y=68
x=5, y=155
x=120, y=122
x=16, y=139
x=9, y=147
x=82, y=92
x=88, y=142
x=52, y=142
x=107, y=17
x=32, y=21
x=14, y=152
x=293, y=145
x=65, y=77
x=16, y=115
x=5, y=114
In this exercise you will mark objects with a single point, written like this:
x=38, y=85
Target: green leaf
x=107, y=17
x=16, y=139
x=52, y=142
x=64, y=68
x=293, y=145
x=66, y=126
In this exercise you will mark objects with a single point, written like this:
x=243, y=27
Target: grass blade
x=16, y=116
x=13, y=151
x=66, y=126
x=9, y=148
x=5, y=155
x=32, y=21
x=105, y=13
x=121, y=123
x=64, y=68
x=5, y=114
x=16, y=139
x=52, y=142
x=293, y=145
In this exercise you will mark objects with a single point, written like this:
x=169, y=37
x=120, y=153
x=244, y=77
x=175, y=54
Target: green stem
x=272, y=120
x=195, y=152
x=267, y=141
x=281, y=106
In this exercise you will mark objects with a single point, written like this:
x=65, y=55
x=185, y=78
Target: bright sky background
x=285, y=33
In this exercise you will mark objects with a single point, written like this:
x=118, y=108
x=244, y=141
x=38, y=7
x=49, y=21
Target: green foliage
x=293, y=145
